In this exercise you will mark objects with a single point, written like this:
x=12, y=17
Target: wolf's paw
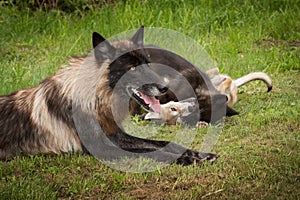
x=201, y=124
x=189, y=157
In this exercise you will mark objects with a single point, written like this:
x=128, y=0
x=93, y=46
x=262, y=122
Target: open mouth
x=149, y=103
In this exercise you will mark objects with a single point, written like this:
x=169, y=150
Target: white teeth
x=136, y=92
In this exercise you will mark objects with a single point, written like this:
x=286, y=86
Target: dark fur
x=41, y=119
x=210, y=100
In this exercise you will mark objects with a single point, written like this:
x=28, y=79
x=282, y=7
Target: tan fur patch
x=60, y=137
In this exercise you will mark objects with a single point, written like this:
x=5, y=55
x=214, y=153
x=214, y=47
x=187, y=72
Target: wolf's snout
x=153, y=89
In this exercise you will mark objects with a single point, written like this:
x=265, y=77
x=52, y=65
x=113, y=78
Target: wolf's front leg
x=162, y=151
x=120, y=144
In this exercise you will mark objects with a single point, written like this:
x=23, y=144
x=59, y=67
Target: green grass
x=260, y=148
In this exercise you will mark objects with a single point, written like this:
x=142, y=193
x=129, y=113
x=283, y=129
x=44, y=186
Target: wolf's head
x=129, y=72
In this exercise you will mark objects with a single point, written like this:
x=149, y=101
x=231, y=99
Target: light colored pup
x=172, y=112
x=226, y=85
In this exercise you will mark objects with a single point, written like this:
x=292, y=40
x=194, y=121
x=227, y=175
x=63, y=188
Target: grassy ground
x=260, y=148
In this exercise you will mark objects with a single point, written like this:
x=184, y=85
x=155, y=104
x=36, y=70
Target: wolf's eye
x=173, y=109
x=132, y=68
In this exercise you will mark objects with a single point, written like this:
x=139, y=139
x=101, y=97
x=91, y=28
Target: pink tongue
x=152, y=102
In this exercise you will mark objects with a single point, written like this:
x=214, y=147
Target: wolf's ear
x=230, y=111
x=191, y=100
x=138, y=37
x=152, y=115
x=212, y=72
x=102, y=48
x=97, y=39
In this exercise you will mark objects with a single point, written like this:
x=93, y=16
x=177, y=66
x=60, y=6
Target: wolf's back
x=37, y=120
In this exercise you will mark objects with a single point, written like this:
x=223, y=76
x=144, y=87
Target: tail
x=254, y=76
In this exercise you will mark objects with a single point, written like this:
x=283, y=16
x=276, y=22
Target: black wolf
x=41, y=119
x=212, y=104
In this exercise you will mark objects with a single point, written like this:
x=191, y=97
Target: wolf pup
x=226, y=85
x=172, y=112
x=40, y=119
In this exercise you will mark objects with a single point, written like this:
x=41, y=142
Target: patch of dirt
x=170, y=187
x=267, y=43
x=146, y=193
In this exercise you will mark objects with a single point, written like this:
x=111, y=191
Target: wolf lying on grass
x=41, y=119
